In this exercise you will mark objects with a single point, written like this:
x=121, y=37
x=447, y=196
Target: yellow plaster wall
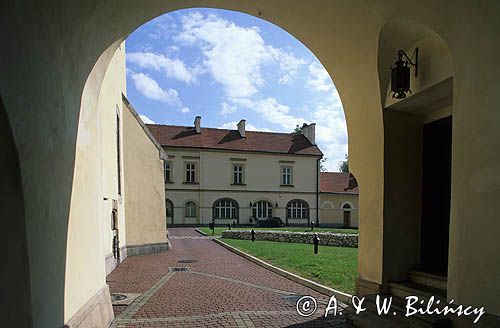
x=109, y=106
x=89, y=232
x=144, y=184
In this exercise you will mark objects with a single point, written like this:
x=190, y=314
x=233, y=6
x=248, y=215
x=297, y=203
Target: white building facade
x=238, y=176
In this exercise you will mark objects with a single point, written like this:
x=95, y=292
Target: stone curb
x=344, y=297
x=200, y=232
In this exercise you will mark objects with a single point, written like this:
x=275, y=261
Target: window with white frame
x=286, y=175
x=167, y=170
x=238, y=174
x=297, y=209
x=262, y=209
x=190, y=209
x=225, y=208
x=190, y=172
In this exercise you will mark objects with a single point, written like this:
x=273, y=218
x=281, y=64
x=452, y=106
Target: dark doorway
x=436, y=194
x=169, y=211
x=114, y=230
x=347, y=215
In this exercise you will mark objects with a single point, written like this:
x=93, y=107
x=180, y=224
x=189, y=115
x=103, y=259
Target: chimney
x=241, y=128
x=309, y=131
x=197, y=124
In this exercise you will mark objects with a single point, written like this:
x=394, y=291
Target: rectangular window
x=238, y=174
x=286, y=175
x=118, y=154
x=191, y=172
x=167, y=170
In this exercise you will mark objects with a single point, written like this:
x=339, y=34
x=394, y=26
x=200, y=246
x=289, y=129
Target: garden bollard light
x=211, y=225
x=316, y=243
x=312, y=225
x=229, y=226
x=253, y=235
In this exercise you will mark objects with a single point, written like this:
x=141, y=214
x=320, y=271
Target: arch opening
x=95, y=80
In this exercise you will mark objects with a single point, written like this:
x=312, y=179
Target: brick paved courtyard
x=220, y=289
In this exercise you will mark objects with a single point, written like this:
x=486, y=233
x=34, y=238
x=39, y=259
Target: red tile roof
x=210, y=138
x=338, y=182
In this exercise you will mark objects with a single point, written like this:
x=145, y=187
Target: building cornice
x=224, y=150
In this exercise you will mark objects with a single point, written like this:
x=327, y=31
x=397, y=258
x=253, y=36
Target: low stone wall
x=325, y=238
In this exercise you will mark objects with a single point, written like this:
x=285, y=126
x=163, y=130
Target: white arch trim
x=327, y=202
x=347, y=203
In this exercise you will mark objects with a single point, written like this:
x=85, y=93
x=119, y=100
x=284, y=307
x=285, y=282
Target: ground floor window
x=262, y=209
x=225, y=208
x=190, y=209
x=297, y=209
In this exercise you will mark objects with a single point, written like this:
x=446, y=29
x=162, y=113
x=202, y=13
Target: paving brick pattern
x=221, y=289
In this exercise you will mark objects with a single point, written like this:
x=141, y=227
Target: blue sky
x=226, y=66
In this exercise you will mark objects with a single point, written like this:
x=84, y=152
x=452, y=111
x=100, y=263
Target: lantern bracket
x=401, y=53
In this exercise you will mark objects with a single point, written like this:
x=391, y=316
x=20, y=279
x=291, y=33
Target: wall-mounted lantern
x=250, y=204
x=276, y=204
x=400, y=74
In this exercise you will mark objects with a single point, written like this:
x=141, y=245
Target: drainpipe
x=317, y=191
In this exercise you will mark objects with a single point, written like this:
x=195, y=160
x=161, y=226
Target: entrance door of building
x=347, y=215
x=436, y=194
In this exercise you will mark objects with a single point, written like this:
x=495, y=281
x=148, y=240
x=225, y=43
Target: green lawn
x=335, y=267
x=218, y=230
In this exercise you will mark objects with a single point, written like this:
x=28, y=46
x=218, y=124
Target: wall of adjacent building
x=262, y=182
x=92, y=198
x=144, y=185
x=332, y=213
x=110, y=112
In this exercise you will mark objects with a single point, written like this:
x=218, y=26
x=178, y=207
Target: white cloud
x=242, y=63
x=161, y=27
x=146, y=119
x=172, y=68
x=248, y=127
x=150, y=89
x=272, y=111
x=331, y=129
x=320, y=79
x=289, y=65
x=235, y=55
x=227, y=109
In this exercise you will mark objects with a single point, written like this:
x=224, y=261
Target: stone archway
x=48, y=57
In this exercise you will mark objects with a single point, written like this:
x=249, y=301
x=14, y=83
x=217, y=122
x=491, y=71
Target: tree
x=299, y=128
x=322, y=165
x=344, y=165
